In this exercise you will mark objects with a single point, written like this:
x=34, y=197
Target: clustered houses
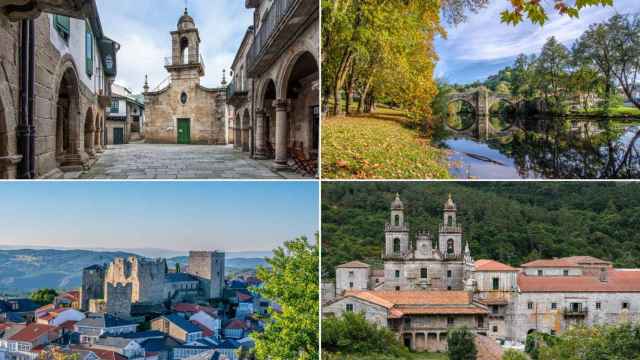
x=52, y=117
x=430, y=285
x=194, y=330
x=125, y=121
x=273, y=96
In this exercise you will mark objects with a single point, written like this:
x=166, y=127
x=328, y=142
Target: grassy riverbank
x=614, y=112
x=378, y=146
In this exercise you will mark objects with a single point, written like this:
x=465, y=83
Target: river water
x=544, y=148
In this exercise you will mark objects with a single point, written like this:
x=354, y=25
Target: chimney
x=604, y=275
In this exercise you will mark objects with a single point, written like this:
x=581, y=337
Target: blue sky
x=142, y=28
x=483, y=45
x=230, y=216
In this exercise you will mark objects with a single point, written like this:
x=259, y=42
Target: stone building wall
x=328, y=291
x=117, y=299
x=93, y=280
x=373, y=313
x=437, y=270
x=145, y=276
x=553, y=271
x=51, y=63
x=204, y=107
x=208, y=266
x=508, y=281
x=521, y=319
x=357, y=277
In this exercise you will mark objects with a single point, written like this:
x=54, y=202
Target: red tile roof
x=442, y=310
x=554, y=263
x=206, y=332
x=242, y=297
x=33, y=332
x=586, y=260
x=354, y=264
x=492, y=265
x=400, y=303
x=236, y=324
x=618, y=281
x=194, y=308
x=68, y=325
x=106, y=354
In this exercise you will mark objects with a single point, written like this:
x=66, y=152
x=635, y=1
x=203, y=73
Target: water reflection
x=500, y=147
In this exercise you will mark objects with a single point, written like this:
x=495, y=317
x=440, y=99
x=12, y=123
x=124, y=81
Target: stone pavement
x=156, y=161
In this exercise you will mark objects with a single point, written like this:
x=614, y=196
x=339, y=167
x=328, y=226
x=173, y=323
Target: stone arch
x=465, y=100
x=89, y=131
x=266, y=98
x=66, y=112
x=96, y=134
x=184, y=50
x=237, y=133
x=298, y=85
x=246, y=126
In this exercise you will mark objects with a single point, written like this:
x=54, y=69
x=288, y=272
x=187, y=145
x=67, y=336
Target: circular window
x=183, y=98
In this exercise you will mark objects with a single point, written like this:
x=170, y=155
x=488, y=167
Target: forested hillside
x=509, y=222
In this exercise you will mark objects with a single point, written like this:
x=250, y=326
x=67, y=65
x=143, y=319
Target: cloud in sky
x=483, y=45
x=142, y=28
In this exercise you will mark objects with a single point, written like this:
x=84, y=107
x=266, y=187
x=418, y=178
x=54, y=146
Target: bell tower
x=396, y=232
x=185, y=61
x=450, y=237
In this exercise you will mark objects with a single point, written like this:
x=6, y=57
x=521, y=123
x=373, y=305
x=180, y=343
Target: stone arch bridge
x=481, y=101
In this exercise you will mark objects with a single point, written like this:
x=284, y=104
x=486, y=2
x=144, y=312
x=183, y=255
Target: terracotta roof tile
x=107, y=355
x=206, y=332
x=551, y=263
x=32, y=332
x=492, y=265
x=586, y=260
x=618, y=281
x=443, y=310
x=354, y=264
x=236, y=324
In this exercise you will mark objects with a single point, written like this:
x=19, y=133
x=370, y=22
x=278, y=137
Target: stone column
x=282, y=134
x=260, y=140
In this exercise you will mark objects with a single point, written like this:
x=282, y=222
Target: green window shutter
x=62, y=25
x=89, y=50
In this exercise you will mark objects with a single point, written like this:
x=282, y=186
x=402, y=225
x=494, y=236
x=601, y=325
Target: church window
x=183, y=98
x=423, y=273
x=530, y=305
x=397, y=220
x=397, y=274
x=598, y=305
x=450, y=249
x=496, y=283
x=396, y=245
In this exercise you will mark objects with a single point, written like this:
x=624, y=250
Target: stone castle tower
x=118, y=299
x=429, y=265
x=92, y=285
x=208, y=267
x=145, y=276
x=185, y=112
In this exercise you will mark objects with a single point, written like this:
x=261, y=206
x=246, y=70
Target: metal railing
x=279, y=9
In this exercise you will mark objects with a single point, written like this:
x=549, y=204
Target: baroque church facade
x=430, y=285
x=184, y=111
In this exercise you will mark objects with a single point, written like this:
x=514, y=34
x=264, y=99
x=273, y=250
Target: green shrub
x=461, y=344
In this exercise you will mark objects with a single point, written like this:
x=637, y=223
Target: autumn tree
x=292, y=283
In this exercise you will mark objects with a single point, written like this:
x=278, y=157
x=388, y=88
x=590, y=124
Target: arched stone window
x=184, y=50
x=396, y=245
x=450, y=249
x=397, y=220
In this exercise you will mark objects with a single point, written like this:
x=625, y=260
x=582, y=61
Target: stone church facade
x=52, y=120
x=184, y=111
x=419, y=295
x=274, y=93
x=113, y=288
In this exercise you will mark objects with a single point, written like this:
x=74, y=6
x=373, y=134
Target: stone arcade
x=185, y=112
x=426, y=289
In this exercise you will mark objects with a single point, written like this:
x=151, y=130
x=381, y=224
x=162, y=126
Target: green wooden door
x=184, y=131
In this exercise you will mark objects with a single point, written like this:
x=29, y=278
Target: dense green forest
x=509, y=222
